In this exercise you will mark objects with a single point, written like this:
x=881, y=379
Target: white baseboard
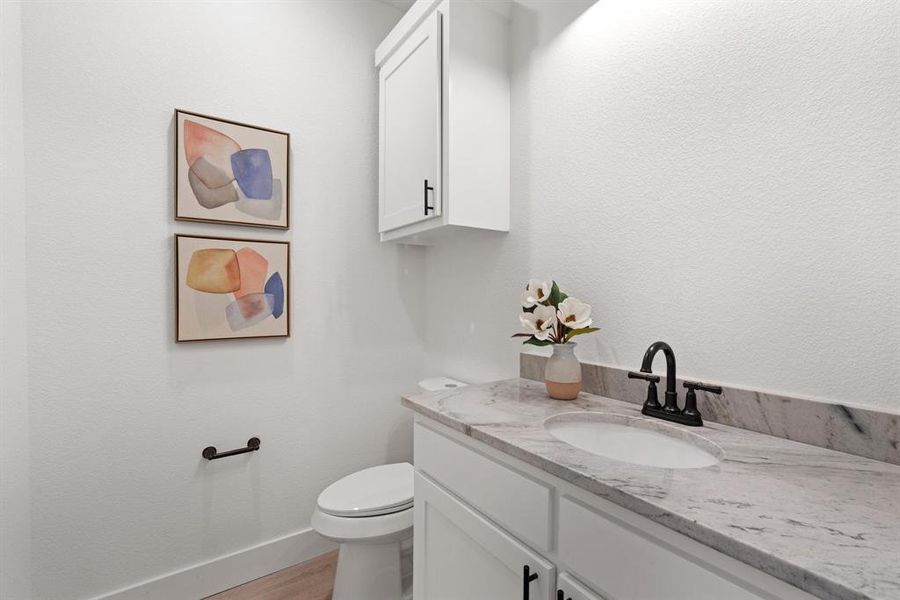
x=207, y=578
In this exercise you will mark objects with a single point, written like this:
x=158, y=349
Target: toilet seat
x=373, y=492
x=393, y=526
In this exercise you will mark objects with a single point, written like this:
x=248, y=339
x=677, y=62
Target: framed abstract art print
x=229, y=288
x=230, y=172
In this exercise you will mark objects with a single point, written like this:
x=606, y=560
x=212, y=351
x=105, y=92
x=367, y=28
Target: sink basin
x=634, y=440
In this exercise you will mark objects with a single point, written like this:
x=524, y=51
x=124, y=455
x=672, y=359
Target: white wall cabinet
x=443, y=122
x=466, y=547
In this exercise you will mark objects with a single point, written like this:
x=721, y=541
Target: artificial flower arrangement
x=551, y=317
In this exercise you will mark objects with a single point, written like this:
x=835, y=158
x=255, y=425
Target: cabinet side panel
x=478, y=112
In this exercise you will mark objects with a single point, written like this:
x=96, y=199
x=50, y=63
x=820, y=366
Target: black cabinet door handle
x=527, y=578
x=560, y=595
x=425, y=197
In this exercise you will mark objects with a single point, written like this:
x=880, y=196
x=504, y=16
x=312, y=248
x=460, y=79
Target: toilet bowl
x=369, y=513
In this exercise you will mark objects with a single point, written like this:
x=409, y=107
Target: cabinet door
x=410, y=129
x=460, y=554
x=569, y=589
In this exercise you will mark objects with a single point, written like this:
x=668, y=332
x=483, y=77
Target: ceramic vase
x=563, y=373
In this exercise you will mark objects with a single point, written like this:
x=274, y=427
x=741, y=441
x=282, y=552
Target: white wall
x=119, y=413
x=15, y=535
x=723, y=175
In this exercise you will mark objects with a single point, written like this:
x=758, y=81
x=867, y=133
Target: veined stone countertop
x=824, y=521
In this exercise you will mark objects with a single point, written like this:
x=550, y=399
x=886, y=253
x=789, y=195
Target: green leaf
x=536, y=342
x=556, y=296
x=573, y=332
x=521, y=335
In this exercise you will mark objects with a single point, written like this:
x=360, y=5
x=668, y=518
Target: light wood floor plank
x=312, y=580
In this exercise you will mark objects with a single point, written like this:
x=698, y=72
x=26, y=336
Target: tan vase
x=563, y=373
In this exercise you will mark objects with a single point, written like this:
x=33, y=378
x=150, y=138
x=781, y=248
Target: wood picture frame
x=231, y=288
x=232, y=173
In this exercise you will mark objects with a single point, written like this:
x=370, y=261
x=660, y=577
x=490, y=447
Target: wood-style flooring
x=311, y=580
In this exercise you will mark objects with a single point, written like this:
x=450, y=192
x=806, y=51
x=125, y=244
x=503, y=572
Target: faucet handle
x=645, y=376
x=699, y=385
x=690, y=401
x=652, y=400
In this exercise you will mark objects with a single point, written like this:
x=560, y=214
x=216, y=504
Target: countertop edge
x=795, y=575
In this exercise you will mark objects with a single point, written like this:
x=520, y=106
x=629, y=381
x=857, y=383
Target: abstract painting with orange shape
x=229, y=172
x=231, y=288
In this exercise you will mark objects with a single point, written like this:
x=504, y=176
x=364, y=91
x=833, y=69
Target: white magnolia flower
x=539, y=323
x=537, y=291
x=574, y=314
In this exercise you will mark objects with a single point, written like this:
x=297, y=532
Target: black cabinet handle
x=560, y=595
x=425, y=196
x=527, y=578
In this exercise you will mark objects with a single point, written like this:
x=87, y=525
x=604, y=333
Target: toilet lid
x=375, y=491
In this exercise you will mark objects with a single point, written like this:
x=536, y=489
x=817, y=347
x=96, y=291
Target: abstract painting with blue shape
x=228, y=172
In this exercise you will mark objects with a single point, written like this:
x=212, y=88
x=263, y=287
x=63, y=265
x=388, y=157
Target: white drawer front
x=623, y=562
x=515, y=501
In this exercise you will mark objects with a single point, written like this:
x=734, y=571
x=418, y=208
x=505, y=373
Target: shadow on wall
x=543, y=20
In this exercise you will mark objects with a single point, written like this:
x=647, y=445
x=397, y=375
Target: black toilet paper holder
x=210, y=452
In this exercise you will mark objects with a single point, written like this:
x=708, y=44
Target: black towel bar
x=210, y=452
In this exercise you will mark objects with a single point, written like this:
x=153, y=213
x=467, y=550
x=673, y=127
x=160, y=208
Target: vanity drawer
x=515, y=501
x=627, y=557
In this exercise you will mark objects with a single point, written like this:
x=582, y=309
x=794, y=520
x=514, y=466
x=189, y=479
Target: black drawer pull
x=527, y=578
x=560, y=595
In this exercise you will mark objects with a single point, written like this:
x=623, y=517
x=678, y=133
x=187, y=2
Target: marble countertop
x=823, y=521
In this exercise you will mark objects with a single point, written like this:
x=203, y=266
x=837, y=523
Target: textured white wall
x=119, y=413
x=15, y=535
x=722, y=175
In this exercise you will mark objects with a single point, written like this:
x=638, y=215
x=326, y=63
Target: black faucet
x=670, y=411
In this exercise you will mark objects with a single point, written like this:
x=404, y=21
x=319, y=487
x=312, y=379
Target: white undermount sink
x=635, y=440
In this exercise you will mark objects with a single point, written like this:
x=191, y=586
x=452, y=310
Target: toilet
x=370, y=514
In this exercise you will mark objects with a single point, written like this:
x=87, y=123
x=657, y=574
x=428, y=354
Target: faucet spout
x=671, y=404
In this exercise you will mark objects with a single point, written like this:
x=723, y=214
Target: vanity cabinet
x=482, y=516
x=443, y=122
x=464, y=555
